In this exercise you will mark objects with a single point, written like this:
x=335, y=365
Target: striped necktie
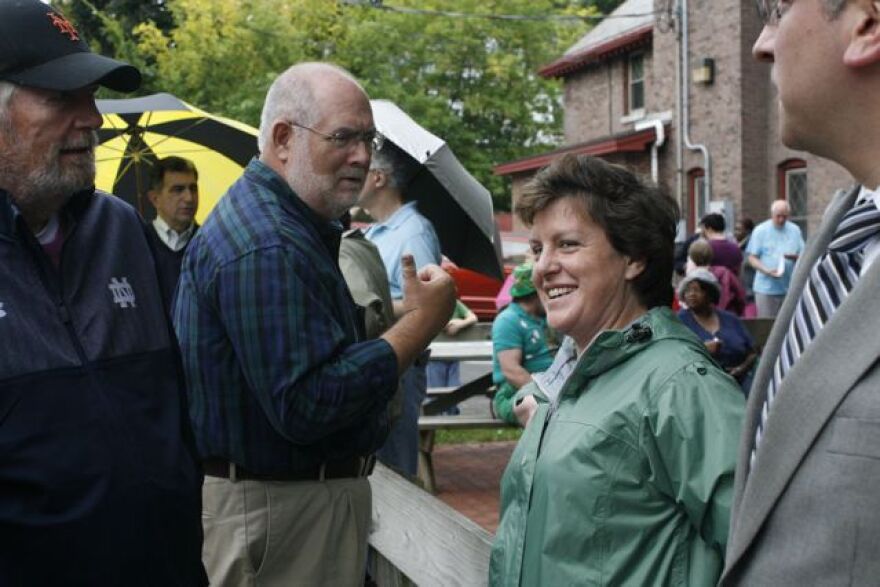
x=831, y=280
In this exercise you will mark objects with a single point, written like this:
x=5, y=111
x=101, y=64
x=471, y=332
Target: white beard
x=43, y=186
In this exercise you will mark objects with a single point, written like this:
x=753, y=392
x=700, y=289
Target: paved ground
x=468, y=478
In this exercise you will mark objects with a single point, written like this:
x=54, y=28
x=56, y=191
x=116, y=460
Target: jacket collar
x=612, y=347
x=401, y=215
x=278, y=190
x=10, y=216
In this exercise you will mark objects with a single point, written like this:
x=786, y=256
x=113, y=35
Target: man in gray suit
x=806, y=506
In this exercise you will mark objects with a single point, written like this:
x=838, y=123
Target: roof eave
x=631, y=142
x=624, y=43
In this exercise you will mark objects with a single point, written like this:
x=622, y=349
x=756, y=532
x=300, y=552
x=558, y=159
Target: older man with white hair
x=288, y=398
x=772, y=251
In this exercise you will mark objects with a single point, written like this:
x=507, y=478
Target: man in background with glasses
x=400, y=230
x=288, y=398
x=806, y=507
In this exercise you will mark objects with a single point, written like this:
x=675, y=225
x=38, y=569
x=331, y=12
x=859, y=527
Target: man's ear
x=282, y=139
x=153, y=196
x=864, y=46
x=634, y=268
x=381, y=178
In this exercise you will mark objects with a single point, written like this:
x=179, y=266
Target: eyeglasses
x=347, y=138
x=770, y=11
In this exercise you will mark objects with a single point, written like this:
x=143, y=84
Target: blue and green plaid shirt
x=279, y=379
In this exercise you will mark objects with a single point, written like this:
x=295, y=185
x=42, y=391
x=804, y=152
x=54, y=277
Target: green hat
x=522, y=281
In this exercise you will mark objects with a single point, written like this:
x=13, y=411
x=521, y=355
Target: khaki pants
x=272, y=533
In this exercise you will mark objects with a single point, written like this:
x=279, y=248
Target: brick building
x=620, y=92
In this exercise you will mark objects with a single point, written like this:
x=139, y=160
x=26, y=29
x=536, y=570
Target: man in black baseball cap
x=99, y=484
x=39, y=48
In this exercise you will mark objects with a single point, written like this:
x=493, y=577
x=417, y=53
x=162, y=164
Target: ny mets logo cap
x=39, y=48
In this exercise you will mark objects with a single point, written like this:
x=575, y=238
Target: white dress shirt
x=173, y=240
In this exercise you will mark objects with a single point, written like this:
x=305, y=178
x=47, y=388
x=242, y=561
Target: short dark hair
x=401, y=168
x=171, y=163
x=748, y=224
x=713, y=222
x=639, y=218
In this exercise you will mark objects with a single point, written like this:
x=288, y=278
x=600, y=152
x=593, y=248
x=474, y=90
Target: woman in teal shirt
x=519, y=343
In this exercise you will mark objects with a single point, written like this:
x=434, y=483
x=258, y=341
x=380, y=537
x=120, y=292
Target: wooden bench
x=759, y=328
x=441, y=399
x=428, y=426
x=416, y=539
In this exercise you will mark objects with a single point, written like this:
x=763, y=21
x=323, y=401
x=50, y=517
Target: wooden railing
x=416, y=539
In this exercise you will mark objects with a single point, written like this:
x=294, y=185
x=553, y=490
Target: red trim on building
x=787, y=165
x=622, y=44
x=623, y=143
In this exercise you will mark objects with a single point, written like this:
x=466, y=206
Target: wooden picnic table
x=443, y=398
x=466, y=350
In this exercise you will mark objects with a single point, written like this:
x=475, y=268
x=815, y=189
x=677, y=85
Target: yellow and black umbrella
x=138, y=131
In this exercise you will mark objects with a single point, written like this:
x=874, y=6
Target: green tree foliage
x=95, y=19
x=472, y=81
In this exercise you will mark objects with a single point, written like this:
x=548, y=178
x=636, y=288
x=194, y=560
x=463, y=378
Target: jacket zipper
x=53, y=282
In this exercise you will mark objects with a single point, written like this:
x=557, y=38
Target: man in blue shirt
x=773, y=248
x=400, y=230
x=287, y=397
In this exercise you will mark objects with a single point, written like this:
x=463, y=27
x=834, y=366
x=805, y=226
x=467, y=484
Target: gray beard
x=307, y=184
x=42, y=190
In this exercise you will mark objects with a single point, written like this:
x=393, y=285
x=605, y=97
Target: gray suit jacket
x=809, y=511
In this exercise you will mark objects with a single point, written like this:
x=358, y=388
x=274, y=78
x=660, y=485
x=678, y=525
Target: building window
x=793, y=188
x=697, y=198
x=635, y=73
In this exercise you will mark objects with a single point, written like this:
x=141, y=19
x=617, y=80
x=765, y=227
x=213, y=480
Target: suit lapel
x=809, y=394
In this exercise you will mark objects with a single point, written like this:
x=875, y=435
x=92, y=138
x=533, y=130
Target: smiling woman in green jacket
x=623, y=475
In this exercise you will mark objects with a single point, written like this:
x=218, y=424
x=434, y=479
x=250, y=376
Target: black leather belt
x=351, y=468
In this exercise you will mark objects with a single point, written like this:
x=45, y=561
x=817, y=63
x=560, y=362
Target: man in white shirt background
x=174, y=192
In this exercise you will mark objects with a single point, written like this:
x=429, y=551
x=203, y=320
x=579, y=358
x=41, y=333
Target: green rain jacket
x=628, y=480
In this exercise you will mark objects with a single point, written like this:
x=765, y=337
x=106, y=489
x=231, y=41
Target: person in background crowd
x=743, y=232
x=722, y=332
x=99, y=480
x=732, y=296
x=364, y=274
x=502, y=298
x=773, y=248
x=624, y=473
x=289, y=400
x=725, y=252
x=174, y=193
x=400, y=229
x=806, y=510
x=519, y=343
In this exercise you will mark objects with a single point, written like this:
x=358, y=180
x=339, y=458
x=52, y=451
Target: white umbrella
x=459, y=206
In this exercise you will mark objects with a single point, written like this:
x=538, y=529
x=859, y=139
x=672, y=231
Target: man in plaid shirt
x=287, y=398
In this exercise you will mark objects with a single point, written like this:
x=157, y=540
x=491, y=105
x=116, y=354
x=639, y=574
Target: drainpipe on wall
x=659, y=140
x=684, y=113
